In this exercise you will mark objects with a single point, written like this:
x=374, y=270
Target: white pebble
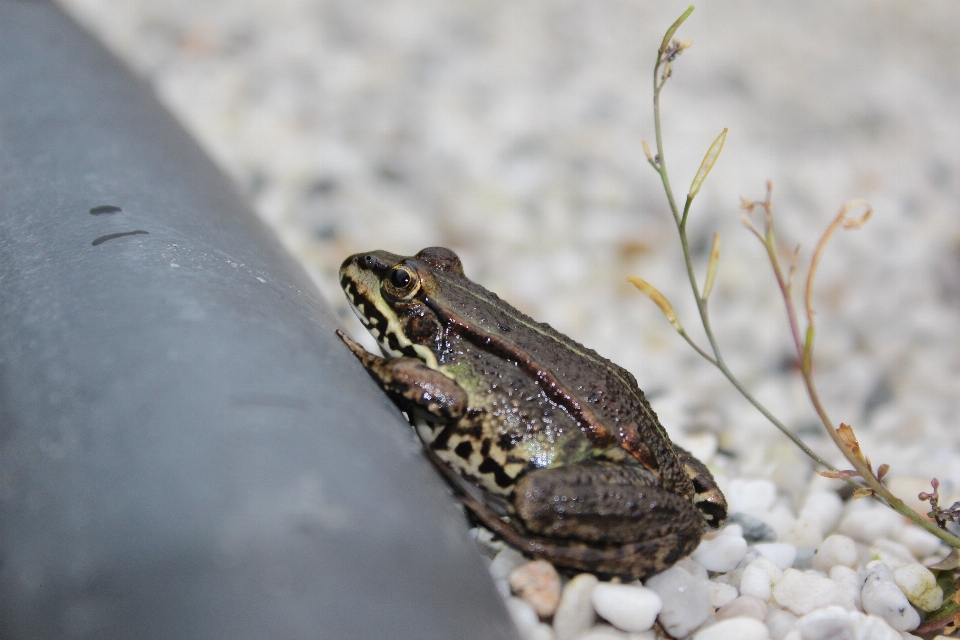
x=893, y=554
x=505, y=562
x=694, y=568
x=779, y=622
x=823, y=507
x=802, y=593
x=542, y=631
x=523, y=615
x=702, y=445
x=850, y=583
x=829, y=623
x=869, y=627
x=804, y=533
x=720, y=593
x=756, y=582
x=751, y=555
x=834, y=550
x=882, y=597
x=748, y=496
x=920, y=586
x=722, y=553
x=602, y=632
x=575, y=612
x=538, y=584
x=781, y=554
x=866, y=524
x=626, y=606
x=734, y=629
x=686, y=602
x=744, y=607
x=921, y=543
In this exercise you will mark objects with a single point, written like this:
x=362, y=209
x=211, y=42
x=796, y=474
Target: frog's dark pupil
x=400, y=278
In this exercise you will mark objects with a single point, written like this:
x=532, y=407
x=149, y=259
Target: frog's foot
x=707, y=497
x=411, y=384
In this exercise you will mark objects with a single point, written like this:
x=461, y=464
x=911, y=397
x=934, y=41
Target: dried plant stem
x=665, y=55
x=843, y=437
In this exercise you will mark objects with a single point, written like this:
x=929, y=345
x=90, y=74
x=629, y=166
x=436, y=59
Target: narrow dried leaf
x=882, y=471
x=673, y=28
x=646, y=150
x=855, y=223
x=712, y=266
x=840, y=221
x=862, y=492
x=659, y=299
x=708, y=161
x=848, y=438
x=838, y=475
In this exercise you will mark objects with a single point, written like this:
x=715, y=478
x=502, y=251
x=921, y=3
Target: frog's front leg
x=412, y=385
x=624, y=521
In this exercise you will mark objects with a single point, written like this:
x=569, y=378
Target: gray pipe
x=186, y=448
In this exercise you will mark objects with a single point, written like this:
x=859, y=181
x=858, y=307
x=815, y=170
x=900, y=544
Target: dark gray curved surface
x=186, y=450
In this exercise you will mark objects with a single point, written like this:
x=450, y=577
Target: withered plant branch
x=843, y=436
x=661, y=73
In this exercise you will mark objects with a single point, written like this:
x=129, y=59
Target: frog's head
x=395, y=298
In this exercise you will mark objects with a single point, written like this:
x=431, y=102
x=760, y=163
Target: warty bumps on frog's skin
x=529, y=424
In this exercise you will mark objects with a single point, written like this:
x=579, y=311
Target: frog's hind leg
x=606, y=517
x=603, y=502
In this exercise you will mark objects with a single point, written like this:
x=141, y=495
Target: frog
x=551, y=446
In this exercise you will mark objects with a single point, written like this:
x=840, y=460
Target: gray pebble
x=686, y=602
x=754, y=529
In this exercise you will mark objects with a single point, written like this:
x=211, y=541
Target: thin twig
x=843, y=436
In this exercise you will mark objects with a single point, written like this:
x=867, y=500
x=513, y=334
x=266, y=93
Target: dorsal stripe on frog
x=656, y=461
x=569, y=344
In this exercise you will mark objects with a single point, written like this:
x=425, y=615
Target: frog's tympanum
x=552, y=447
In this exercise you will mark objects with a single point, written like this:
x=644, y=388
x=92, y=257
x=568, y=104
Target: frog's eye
x=402, y=282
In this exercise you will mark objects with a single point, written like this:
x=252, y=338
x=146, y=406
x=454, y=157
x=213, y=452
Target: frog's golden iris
x=554, y=447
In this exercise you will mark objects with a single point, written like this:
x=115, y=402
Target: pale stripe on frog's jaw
x=363, y=292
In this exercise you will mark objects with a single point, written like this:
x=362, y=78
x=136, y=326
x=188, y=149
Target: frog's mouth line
x=374, y=313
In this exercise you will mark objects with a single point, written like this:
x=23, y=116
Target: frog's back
x=607, y=390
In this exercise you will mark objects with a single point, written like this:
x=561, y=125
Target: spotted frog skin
x=551, y=446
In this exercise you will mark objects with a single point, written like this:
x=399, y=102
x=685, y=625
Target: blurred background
x=511, y=131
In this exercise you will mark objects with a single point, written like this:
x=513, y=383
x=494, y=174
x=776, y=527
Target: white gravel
x=834, y=550
x=538, y=584
x=882, y=597
x=686, y=601
x=510, y=131
x=627, y=607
